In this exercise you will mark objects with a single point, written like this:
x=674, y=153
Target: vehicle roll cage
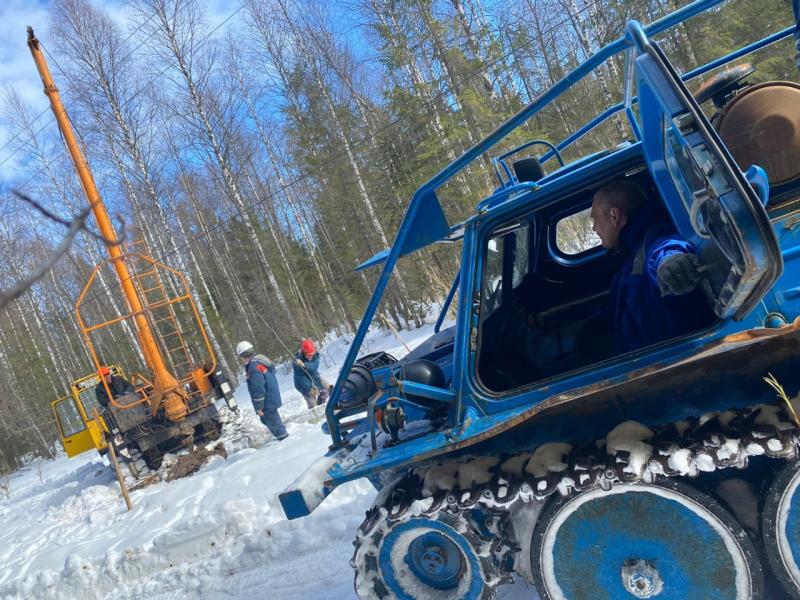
x=424, y=222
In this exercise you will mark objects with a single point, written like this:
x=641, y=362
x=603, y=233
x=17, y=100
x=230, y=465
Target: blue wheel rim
x=788, y=528
x=600, y=544
x=436, y=560
x=403, y=538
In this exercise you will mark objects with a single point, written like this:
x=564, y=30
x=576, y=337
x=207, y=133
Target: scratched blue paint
x=393, y=581
x=544, y=428
x=592, y=545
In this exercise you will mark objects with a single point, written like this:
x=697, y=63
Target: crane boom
x=166, y=389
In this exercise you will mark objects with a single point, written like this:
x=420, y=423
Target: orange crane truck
x=174, y=402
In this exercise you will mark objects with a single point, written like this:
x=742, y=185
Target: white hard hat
x=244, y=349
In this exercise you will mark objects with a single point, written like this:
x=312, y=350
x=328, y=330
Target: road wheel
x=423, y=558
x=665, y=541
x=780, y=527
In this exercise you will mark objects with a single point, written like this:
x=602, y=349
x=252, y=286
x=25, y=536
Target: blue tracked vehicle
x=670, y=471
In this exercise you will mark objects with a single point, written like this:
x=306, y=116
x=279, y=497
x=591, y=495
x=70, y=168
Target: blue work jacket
x=642, y=316
x=308, y=375
x=262, y=383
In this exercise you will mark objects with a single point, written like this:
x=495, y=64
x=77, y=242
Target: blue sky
x=16, y=64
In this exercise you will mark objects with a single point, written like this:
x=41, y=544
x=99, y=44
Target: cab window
x=574, y=234
x=559, y=315
x=493, y=276
x=506, y=261
x=69, y=418
x=89, y=401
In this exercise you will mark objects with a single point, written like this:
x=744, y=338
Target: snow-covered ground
x=220, y=533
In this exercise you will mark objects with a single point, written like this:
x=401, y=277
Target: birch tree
x=174, y=35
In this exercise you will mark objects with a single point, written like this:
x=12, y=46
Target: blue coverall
x=642, y=316
x=307, y=376
x=265, y=394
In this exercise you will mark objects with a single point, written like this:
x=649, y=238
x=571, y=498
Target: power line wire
x=82, y=95
x=371, y=136
x=47, y=108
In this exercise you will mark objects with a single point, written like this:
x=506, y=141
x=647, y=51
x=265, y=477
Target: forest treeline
x=267, y=152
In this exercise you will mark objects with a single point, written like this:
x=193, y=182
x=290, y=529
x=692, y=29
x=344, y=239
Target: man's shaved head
x=624, y=195
x=612, y=206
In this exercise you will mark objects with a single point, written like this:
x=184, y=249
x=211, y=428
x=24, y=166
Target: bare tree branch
x=77, y=224
x=115, y=242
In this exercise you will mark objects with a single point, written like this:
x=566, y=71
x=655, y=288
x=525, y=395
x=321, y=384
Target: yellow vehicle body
x=79, y=429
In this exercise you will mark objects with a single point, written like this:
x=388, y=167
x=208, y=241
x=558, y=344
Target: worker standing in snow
x=307, y=379
x=263, y=388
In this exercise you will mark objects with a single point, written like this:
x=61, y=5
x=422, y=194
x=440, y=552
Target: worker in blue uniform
x=654, y=291
x=263, y=387
x=307, y=379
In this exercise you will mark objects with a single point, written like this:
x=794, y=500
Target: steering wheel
x=722, y=84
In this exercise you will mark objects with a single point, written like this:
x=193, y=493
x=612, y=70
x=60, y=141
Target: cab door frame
x=77, y=441
x=93, y=434
x=721, y=213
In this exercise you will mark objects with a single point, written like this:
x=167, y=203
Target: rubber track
x=715, y=441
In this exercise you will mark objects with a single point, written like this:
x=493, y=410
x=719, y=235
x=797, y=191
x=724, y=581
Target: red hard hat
x=307, y=347
x=104, y=371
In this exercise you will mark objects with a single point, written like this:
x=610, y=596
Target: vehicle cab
x=80, y=417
